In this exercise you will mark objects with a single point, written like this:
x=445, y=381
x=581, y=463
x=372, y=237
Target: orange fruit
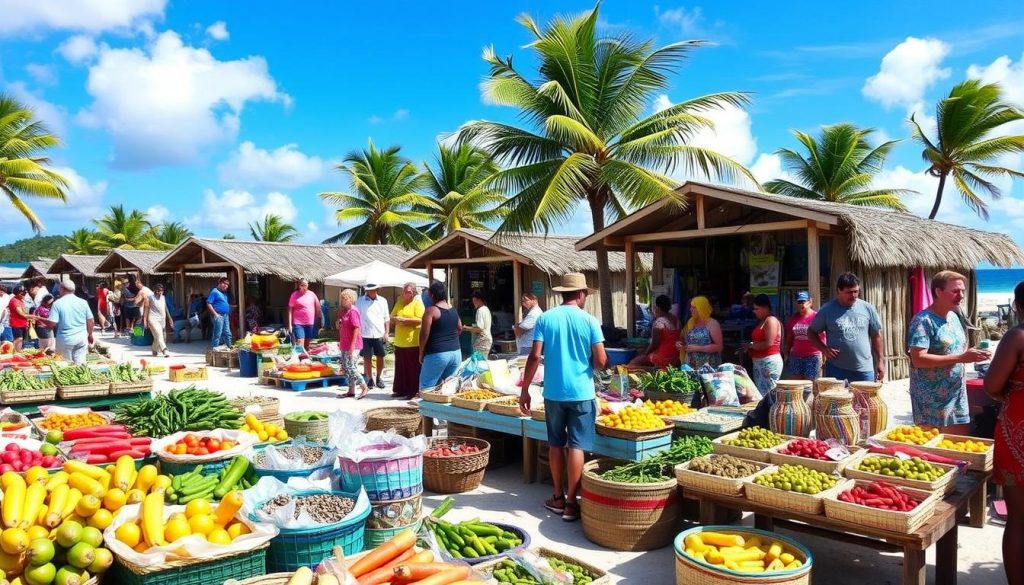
x=129, y=534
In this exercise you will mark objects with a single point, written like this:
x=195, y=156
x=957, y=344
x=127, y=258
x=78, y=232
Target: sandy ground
x=504, y=497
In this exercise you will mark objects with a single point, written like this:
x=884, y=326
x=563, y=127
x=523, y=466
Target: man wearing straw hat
x=572, y=345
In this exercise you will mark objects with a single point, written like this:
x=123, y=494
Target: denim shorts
x=570, y=423
x=848, y=375
x=438, y=366
x=304, y=331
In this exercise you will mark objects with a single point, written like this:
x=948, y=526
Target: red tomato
x=191, y=440
x=202, y=451
x=213, y=445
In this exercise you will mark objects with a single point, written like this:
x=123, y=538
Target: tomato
x=191, y=440
x=225, y=445
x=202, y=451
x=213, y=445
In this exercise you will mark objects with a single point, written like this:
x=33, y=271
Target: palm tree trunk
x=938, y=196
x=604, y=274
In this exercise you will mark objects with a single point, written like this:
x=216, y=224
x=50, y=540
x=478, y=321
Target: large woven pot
x=872, y=410
x=454, y=475
x=790, y=414
x=406, y=420
x=628, y=516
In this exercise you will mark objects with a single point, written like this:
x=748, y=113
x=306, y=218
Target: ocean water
x=999, y=280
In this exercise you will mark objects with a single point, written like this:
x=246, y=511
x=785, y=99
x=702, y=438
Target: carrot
x=385, y=573
x=469, y=582
x=384, y=553
x=417, y=571
x=446, y=577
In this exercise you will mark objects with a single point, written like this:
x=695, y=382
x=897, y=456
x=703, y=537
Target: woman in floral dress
x=1005, y=382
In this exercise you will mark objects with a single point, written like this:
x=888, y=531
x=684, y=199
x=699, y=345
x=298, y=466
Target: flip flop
x=349, y=395
x=999, y=507
x=363, y=395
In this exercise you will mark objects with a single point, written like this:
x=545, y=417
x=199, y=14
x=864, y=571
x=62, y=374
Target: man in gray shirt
x=855, y=351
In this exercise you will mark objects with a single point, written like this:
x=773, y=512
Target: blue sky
x=214, y=113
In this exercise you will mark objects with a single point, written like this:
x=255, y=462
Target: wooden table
x=940, y=530
x=533, y=431
x=96, y=402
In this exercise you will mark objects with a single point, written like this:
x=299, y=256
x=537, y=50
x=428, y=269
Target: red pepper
x=102, y=440
x=134, y=454
x=97, y=431
x=94, y=459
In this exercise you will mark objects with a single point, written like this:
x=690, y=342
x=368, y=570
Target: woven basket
x=537, y=413
x=975, y=461
x=395, y=513
x=374, y=537
x=944, y=485
x=472, y=403
x=690, y=571
x=406, y=420
x=269, y=406
x=657, y=396
x=190, y=572
x=705, y=482
x=598, y=576
x=792, y=501
x=131, y=387
x=220, y=358
x=777, y=458
x=506, y=407
x=892, y=520
x=383, y=479
x=627, y=516
x=436, y=397
x=211, y=357
x=720, y=446
x=26, y=396
x=83, y=391
x=313, y=430
x=454, y=475
x=631, y=435
x=691, y=422
x=306, y=547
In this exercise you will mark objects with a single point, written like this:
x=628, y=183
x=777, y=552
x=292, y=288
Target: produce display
x=192, y=444
x=671, y=381
x=265, y=432
x=880, y=495
x=217, y=525
x=127, y=374
x=469, y=539
x=509, y=571
x=797, y=478
x=967, y=446
x=668, y=408
x=724, y=466
x=79, y=375
x=187, y=409
x=322, y=508
x=306, y=416
x=102, y=444
x=658, y=467
x=213, y=486
x=18, y=381
x=915, y=468
x=809, y=448
x=309, y=454
x=396, y=561
x=479, y=394
x=736, y=553
x=913, y=435
x=451, y=450
x=65, y=422
x=756, y=438
x=632, y=418
x=16, y=458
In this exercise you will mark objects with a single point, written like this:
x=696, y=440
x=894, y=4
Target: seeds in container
x=322, y=508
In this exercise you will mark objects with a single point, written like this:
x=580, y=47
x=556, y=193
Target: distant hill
x=31, y=248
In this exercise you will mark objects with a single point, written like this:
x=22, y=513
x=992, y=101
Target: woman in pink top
x=804, y=360
x=303, y=314
x=351, y=342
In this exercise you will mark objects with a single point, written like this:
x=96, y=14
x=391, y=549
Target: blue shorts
x=570, y=423
x=848, y=375
x=437, y=367
x=304, y=331
x=804, y=367
x=6, y=334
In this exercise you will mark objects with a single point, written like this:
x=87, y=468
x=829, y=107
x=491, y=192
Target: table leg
x=945, y=557
x=707, y=512
x=978, y=506
x=764, y=522
x=914, y=572
x=529, y=460
x=428, y=426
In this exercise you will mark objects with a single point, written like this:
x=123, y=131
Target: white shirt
x=158, y=310
x=375, y=314
x=40, y=295
x=525, y=341
x=5, y=313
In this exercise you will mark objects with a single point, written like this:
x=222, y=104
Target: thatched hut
x=39, y=268
x=505, y=266
x=727, y=241
x=79, y=268
x=121, y=262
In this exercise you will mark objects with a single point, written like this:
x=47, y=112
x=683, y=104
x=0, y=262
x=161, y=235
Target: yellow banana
x=72, y=502
x=41, y=518
x=93, y=471
x=6, y=478
x=123, y=472
x=59, y=478
x=153, y=519
x=86, y=484
x=105, y=480
x=58, y=499
x=146, y=477
x=14, y=500
x=34, y=497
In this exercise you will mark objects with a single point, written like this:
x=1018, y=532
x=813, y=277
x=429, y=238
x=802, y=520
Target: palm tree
x=171, y=234
x=385, y=200
x=83, y=241
x=125, y=229
x=273, y=229
x=968, y=145
x=459, y=186
x=585, y=137
x=839, y=166
x=228, y=237
x=23, y=166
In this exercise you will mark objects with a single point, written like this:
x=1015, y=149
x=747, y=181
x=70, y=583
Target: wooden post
x=700, y=212
x=517, y=290
x=430, y=274
x=657, y=265
x=813, y=263
x=241, y=301
x=630, y=288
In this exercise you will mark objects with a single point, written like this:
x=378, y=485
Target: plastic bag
x=279, y=458
x=382, y=445
x=541, y=568
x=284, y=517
x=746, y=390
x=720, y=386
x=342, y=425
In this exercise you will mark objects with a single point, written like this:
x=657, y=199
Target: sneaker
x=556, y=504
x=571, y=512
x=380, y=383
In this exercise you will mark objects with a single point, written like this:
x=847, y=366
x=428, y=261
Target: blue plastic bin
x=247, y=363
x=619, y=356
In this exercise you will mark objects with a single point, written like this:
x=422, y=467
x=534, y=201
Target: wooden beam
x=763, y=203
x=206, y=265
x=467, y=247
x=752, y=228
x=614, y=242
x=517, y=290
x=630, y=289
x=430, y=273
x=813, y=262
x=700, y=212
x=478, y=260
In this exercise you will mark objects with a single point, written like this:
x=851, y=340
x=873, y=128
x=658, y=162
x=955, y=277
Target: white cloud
x=158, y=214
x=731, y=135
x=907, y=72
x=235, y=209
x=85, y=199
x=52, y=115
x=900, y=177
x=399, y=115
x=78, y=49
x=687, y=22
x=218, y=31
x=768, y=167
x=1009, y=75
x=282, y=168
x=164, y=104
x=44, y=74
x=84, y=15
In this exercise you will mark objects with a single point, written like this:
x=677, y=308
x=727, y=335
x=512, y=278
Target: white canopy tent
x=379, y=273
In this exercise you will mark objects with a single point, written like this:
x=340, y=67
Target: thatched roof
x=40, y=267
x=877, y=238
x=553, y=255
x=141, y=261
x=287, y=261
x=75, y=264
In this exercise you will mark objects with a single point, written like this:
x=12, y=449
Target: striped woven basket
x=628, y=516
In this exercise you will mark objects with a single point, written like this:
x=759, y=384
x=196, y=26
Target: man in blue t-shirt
x=218, y=307
x=72, y=322
x=572, y=345
x=855, y=351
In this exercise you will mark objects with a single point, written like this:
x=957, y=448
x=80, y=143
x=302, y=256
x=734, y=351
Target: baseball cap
x=803, y=296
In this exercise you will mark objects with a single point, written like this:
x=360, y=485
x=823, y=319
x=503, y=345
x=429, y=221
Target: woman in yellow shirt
x=406, y=319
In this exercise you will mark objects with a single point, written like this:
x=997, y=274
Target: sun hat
x=370, y=286
x=803, y=296
x=67, y=285
x=573, y=281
